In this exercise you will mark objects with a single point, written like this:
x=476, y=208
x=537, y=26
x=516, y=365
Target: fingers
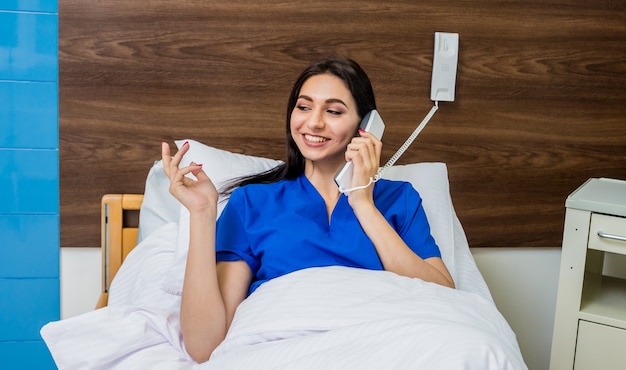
x=376, y=143
x=181, y=152
x=365, y=150
x=189, y=184
x=180, y=183
x=197, y=171
x=165, y=157
x=171, y=163
x=180, y=174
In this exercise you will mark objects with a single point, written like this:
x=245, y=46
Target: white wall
x=523, y=283
x=81, y=280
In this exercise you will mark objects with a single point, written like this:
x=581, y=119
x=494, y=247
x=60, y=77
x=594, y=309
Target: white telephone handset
x=371, y=123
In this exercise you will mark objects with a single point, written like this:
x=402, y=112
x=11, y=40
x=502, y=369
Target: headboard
x=540, y=99
x=118, y=235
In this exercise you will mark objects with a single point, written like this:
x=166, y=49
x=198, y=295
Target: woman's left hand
x=364, y=151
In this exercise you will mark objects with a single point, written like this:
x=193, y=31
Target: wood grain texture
x=540, y=104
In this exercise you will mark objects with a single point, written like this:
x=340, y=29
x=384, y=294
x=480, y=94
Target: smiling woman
x=271, y=228
x=323, y=122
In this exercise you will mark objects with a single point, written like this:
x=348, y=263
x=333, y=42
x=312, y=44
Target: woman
x=294, y=217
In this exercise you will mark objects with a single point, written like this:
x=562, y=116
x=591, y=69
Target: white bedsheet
x=321, y=318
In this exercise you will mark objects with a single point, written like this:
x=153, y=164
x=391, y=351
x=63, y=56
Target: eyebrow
x=331, y=100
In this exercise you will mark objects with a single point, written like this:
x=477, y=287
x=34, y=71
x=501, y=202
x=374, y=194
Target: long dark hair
x=359, y=85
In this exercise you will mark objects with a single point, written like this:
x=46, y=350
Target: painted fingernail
x=362, y=131
x=185, y=143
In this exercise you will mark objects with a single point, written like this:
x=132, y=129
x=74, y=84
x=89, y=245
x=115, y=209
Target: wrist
x=363, y=207
x=206, y=213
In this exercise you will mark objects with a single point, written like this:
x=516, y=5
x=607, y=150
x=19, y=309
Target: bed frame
x=119, y=227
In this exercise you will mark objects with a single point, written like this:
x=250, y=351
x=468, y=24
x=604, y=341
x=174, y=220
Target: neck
x=322, y=175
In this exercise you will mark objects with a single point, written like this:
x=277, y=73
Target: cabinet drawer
x=608, y=233
x=599, y=347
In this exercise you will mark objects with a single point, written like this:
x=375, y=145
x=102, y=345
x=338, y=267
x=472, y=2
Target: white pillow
x=429, y=179
x=160, y=207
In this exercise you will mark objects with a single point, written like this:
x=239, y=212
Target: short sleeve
x=231, y=243
x=415, y=229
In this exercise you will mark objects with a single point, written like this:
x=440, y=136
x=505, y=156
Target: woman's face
x=324, y=119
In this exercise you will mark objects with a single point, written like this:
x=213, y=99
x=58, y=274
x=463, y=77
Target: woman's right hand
x=195, y=195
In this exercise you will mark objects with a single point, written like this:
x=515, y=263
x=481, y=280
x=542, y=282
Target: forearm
x=202, y=314
x=395, y=254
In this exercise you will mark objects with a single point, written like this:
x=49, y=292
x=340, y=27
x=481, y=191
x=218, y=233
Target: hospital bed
x=317, y=318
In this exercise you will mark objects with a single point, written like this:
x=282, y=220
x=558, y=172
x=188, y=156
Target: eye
x=302, y=107
x=334, y=112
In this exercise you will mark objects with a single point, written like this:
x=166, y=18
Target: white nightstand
x=590, y=320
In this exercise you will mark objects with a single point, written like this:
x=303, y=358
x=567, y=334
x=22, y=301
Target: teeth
x=314, y=139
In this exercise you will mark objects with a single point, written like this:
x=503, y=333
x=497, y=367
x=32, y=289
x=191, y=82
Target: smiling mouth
x=314, y=139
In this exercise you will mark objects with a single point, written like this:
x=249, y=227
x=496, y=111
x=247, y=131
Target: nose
x=316, y=120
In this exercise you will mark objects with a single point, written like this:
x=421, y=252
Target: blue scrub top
x=283, y=227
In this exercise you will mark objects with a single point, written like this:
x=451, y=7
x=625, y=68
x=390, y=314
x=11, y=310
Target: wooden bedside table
x=590, y=319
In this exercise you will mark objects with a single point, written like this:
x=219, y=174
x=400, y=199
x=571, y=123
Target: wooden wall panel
x=540, y=105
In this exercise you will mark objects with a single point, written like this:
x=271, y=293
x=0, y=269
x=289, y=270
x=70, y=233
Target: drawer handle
x=611, y=236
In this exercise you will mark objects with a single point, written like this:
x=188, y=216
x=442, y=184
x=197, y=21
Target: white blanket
x=343, y=318
x=319, y=318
